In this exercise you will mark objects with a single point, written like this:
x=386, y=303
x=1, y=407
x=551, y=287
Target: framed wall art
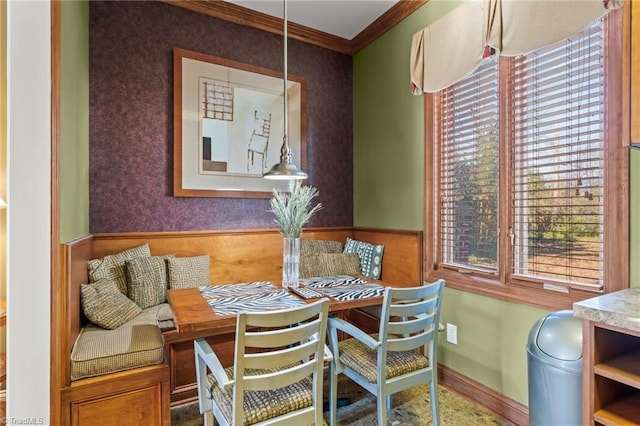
x=229, y=124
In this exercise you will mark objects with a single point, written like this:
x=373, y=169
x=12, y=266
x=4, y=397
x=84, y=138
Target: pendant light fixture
x=285, y=169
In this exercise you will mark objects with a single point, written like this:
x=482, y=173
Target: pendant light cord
x=285, y=169
x=286, y=152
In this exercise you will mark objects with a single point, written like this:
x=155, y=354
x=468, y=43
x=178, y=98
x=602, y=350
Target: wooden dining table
x=195, y=309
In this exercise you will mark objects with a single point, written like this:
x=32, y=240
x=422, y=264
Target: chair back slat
x=283, y=317
x=420, y=292
x=276, y=380
x=281, y=337
x=412, y=325
x=409, y=343
x=280, y=358
x=413, y=307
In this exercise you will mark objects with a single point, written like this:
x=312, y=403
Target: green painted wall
x=388, y=128
x=388, y=193
x=492, y=339
x=74, y=126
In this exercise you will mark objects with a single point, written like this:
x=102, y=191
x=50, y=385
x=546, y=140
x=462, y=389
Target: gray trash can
x=554, y=361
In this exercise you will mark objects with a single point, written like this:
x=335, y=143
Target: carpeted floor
x=410, y=408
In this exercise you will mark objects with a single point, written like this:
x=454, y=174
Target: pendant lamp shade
x=285, y=169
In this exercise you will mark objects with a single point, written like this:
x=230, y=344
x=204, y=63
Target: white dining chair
x=401, y=355
x=277, y=376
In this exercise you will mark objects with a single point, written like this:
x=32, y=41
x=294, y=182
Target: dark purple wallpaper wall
x=131, y=119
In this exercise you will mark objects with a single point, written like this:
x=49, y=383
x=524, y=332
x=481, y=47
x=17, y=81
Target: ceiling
x=342, y=18
x=345, y=26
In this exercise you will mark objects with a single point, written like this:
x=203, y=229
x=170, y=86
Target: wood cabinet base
x=611, y=375
x=135, y=397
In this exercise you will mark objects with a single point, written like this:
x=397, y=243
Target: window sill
x=521, y=294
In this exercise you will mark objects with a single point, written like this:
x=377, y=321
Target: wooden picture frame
x=228, y=120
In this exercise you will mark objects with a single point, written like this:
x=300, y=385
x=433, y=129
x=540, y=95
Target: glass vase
x=291, y=263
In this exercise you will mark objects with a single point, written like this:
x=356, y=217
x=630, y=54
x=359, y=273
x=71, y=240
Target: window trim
x=617, y=215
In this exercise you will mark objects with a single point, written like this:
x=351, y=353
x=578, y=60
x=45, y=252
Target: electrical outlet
x=452, y=333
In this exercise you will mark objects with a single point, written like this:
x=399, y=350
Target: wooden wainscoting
x=235, y=256
x=256, y=255
x=402, y=256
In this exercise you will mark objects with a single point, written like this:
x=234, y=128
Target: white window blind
x=468, y=182
x=558, y=142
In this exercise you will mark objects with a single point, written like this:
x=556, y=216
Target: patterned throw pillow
x=308, y=251
x=310, y=247
x=370, y=256
x=112, y=266
x=104, y=305
x=330, y=264
x=187, y=272
x=147, y=280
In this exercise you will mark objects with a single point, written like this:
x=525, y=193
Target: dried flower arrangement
x=292, y=210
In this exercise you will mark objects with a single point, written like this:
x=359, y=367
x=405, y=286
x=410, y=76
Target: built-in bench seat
x=136, y=343
x=121, y=372
x=138, y=370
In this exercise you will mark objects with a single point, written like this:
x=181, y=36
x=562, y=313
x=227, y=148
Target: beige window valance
x=454, y=46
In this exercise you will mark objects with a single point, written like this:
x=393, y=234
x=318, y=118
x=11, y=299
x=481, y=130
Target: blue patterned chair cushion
x=186, y=272
x=370, y=256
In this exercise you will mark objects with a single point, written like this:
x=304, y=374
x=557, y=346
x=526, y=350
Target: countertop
x=618, y=309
